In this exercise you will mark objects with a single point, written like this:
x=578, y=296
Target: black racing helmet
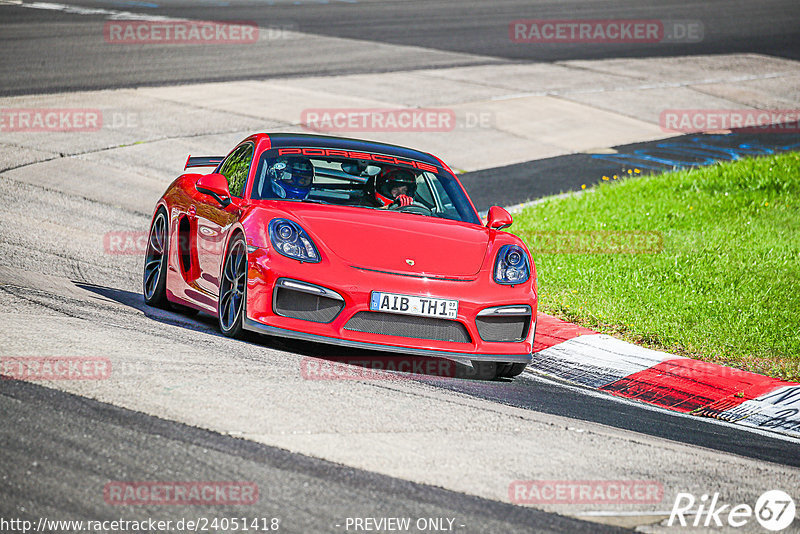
x=393, y=179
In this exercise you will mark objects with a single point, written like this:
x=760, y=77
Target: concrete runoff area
x=502, y=114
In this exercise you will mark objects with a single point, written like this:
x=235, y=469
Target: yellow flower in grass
x=583, y=186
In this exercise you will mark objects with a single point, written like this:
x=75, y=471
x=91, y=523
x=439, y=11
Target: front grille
x=503, y=328
x=390, y=324
x=306, y=306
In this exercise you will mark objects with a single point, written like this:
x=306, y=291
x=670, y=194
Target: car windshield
x=366, y=183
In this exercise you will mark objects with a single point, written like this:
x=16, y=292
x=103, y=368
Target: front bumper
x=354, y=286
x=254, y=326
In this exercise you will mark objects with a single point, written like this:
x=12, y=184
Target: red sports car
x=347, y=242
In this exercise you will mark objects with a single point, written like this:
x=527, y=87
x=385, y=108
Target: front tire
x=154, y=281
x=493, y=370
x=484, y=370
x=233, y=288
x=510, y=370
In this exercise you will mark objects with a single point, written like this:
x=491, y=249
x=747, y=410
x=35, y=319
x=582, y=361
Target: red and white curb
x=582, y=356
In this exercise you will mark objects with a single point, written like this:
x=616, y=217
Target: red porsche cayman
x=346, y=242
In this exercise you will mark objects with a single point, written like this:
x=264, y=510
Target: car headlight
x=512, y=265
x=290, y=240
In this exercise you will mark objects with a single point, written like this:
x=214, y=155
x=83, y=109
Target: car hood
x=396, y=242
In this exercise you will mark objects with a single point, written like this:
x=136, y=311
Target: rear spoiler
x=203, y=161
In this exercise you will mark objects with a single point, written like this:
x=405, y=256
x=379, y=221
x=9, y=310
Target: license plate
x=411, y=305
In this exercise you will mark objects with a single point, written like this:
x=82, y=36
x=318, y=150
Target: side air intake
x=304, y=301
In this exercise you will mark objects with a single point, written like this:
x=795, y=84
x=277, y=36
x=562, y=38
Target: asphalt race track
x=445, y=34
x=184, y=403
x=309, y=495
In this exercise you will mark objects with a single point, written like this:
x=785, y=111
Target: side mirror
x=214, y=185
x=498, y=218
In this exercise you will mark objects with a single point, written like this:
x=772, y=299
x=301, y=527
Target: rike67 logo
x=774, y=510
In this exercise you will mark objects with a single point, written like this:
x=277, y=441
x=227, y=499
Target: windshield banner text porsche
x=380, y=158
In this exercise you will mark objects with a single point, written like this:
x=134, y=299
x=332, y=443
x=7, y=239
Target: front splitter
x=255, y=326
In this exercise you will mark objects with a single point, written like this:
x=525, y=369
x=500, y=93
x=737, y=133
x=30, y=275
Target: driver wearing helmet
x=292, y=177
x=396, y=186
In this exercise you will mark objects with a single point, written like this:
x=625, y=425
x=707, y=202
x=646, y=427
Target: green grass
x=725, y=287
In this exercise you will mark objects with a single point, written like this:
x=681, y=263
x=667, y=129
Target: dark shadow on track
x=343, y=363
x=107, y=443
x=198, y=322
